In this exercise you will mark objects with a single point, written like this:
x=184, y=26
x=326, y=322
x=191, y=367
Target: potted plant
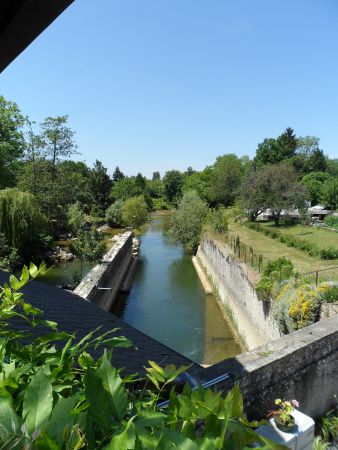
x=282, y=416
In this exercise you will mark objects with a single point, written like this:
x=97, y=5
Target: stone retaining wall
x=301, y=365
x=108, y=274
x=251, y=316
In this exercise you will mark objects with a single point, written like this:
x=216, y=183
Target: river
x=168, y=303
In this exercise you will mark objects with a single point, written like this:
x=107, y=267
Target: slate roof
x=73, y=313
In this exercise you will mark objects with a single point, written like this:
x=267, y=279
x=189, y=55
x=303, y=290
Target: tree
x=189, y=171
x=273, y=187
x=314, y=183
x=76, y=217
x=100, y=185
x=114, y=214
x=253, y=198
x=225, y=179
x=199, y=182
x=21, y=221
x=140, y=182
x=187, y=221
x=57, y=140
x=12, y=143
x=134, y=211
x=309, y=158
x=282, y=191
x=156, y=176
x=173, y=182
x=117, y=175
x=274, y=151
x=329, y=193
x=89, y=246
x=124, y=189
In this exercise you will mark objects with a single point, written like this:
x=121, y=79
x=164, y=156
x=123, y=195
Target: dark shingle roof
x=73, y=313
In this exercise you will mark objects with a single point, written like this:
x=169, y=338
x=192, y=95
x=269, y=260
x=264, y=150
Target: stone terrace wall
x=108, y=274
x=251, y=316
x=302, y=366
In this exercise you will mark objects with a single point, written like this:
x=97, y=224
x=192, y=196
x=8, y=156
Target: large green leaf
x=61, y=418
x=124, y=440
x=112, y=384
x=37, y=402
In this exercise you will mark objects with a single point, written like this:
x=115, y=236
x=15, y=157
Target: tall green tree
x=117, y=175
x=57, y=140
x=173, y=182
x=274, y=151
x=12, y=142
x=225, y=179
x=314, y=183
x=329, y=193
x=187, y=221
x=156, y=175
x=199, y=182
x=134, y=211
x=100, y=185
x=21, y=221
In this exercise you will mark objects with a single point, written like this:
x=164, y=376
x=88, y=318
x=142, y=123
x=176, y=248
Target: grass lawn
x=318, y=236
x=272, y=249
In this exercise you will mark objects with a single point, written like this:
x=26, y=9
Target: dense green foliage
x=331, y=221
x=287, y=172
x=76, y=217
x=56, y=396
x=12, y=143
x=21, y=221
x=134, y=212
x=114, y=214
x=187, y=221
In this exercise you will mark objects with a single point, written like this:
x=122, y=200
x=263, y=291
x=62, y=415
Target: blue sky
x=160, y=84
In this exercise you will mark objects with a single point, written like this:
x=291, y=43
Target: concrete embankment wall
x=301, y=365
x=108, y=274
x=251, y=316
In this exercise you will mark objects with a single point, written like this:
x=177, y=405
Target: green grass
x=318, y=236
x=273, y=249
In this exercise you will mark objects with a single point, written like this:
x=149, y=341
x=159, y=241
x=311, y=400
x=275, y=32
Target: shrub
x=331, y=221
x=330, y=295
x=219, y=220
x=264, y=288
x=187, y=221
x=114, y=214
x=329, y=253
x=134, y=211
x=160, y=204
x=76, y=217
x=296, y=307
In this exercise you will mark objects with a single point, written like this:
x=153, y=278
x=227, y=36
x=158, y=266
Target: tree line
x=43, y=190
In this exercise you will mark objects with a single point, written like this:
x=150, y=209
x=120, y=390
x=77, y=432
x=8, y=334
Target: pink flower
x=295, y=403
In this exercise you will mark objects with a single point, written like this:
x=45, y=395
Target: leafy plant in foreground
x=54, y=395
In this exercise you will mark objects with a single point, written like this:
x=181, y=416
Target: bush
x=330, y=295
x=134, y=212
x=264, y=288
x=76, y=217
x=160, y=204
x=114, y=214
x=331, y=221
x=187, y=221
x=296, y=307
x=273, y=273
x=329, y=253
x=219, y=220
x=290, y=241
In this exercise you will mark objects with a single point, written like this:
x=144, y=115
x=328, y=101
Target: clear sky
x=159, y=84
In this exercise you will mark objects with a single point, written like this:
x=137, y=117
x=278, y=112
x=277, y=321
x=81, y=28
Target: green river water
x=167, y=301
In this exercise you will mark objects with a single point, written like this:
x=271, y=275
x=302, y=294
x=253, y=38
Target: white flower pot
x=301, y=438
